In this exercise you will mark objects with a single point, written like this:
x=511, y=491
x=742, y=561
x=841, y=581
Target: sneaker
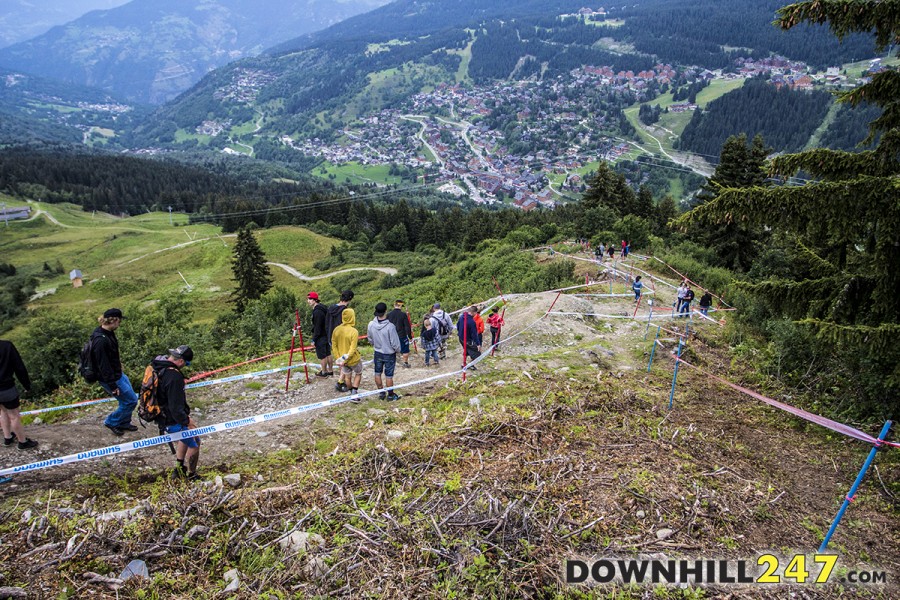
x=28, y=443
x=428, y=364
x=129, y=427
x=321, y=374
x=329, y=374
x=192, y=477
x=354, y=396
x=9, y=441
x=116, y=430
x=382, y=396
x=392, y=397
x=406, y=365
x=472, y=368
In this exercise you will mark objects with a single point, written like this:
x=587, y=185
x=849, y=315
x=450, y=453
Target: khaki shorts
x=355, y=369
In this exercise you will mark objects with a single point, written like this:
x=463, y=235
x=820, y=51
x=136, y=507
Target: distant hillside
x=35, y=109
x=21, y=20
x=785, y=118
x=151, y=50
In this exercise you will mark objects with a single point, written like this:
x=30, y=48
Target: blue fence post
x=653, y=350
x=859, y=478
x=675, y=374
x=650, y=316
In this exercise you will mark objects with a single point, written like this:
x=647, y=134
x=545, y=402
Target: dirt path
x=299, y=275
x=176, y=246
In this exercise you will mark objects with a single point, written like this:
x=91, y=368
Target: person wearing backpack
x=442, y=323
x=11, y=364
x=107, y=368
x=175, y=414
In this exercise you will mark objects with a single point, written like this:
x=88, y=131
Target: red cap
x=313, y=296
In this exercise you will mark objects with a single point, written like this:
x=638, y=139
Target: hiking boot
x=9, y=441
x=321, y=374
x=192, y=477
x=382, y=396
x=118, y=431
x=28, y=443
x=129, y=427
x=392, y=397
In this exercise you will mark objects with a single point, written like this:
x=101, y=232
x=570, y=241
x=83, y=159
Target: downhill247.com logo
x=765, y=569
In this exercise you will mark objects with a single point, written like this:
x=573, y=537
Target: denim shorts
x=190, y=442
x=386, y=363
x=404, y=346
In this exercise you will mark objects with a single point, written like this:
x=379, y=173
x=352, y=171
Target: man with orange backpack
x=164, y=384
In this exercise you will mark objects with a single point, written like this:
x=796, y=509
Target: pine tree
x=846, y=222
x=735, y=245
x=250, y=270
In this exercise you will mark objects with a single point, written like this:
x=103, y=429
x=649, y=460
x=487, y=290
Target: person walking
x=495, y=322
x=479, y=325
x=680, y=294
x=611, y=250
x=386, y=342
x=404, y=330
x=176, y=413
x=431, y=340
x=335, y=312
x=705, y=303
x=467, y=332
x=321, y=341
x=344, y=342
x=443, y=325
x=108, y=366
x=638, y=287
x=11, y=365
x=688, y=298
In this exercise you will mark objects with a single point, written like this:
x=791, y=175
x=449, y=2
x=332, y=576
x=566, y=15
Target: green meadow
x=143, y=258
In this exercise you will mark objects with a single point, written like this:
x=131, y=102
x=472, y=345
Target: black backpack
x=442, y=327
x=86, y=363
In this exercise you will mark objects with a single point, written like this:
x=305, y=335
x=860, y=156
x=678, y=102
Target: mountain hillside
x=21, y=20
x=151, y=50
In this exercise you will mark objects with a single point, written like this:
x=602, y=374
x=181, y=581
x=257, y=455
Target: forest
x=785, y=118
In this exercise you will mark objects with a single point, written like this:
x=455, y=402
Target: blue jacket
x=467, y=323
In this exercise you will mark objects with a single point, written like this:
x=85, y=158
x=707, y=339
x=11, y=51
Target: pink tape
x=813, y=418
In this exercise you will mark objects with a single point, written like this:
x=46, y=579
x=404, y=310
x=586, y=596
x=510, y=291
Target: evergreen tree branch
x=884, y=91
x=877, y=339
x=834, y=165
x=843, y=205
x=847, y=16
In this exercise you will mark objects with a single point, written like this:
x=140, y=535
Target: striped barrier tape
x=235, y=424
x=190, y=386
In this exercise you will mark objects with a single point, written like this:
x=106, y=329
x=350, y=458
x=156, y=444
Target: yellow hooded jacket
x=344, y=338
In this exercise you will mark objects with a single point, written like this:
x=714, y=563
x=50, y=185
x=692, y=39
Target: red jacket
x=479, y=323
x=495, y=321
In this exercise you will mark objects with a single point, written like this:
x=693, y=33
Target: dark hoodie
x=319, y=321
x=10, y=364
x=401, y=322
x=105, y=354
x=170, y=393
x=334, y=318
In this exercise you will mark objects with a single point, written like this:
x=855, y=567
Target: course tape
x=661, y=315
x=190, y=386
x=811, y=417
x=240, y=423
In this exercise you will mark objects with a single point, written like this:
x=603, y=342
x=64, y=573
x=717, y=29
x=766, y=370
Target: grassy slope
x=121, y=264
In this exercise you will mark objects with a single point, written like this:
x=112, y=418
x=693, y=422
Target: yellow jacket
x=344, y=338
